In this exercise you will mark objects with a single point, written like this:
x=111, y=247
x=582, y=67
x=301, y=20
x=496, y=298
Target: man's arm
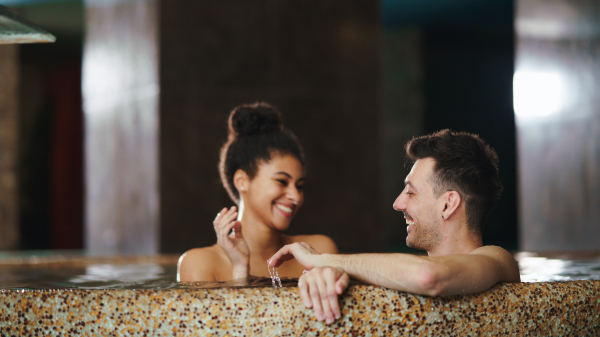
x=432, y=276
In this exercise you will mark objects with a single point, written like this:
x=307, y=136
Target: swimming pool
x=159, y=272
x=137, y=296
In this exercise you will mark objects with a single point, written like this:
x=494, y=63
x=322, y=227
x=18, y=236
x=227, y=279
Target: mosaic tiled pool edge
x=545, y=308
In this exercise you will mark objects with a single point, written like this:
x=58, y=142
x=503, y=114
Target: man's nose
x=399, y=204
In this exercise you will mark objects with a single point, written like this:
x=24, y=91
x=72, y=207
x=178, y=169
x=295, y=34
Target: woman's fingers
x=224, y=219
x=225, y=229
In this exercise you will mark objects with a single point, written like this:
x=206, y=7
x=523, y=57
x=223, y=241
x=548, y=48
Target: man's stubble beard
x=425, y=238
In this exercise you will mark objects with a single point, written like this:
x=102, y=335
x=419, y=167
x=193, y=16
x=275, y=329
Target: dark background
x=465, y=58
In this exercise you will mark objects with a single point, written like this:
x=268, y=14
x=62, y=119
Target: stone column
x=120, y=93
x=9, y=76
x=557, y=105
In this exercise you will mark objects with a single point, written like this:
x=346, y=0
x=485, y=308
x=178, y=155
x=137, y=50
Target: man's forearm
x=403, y=272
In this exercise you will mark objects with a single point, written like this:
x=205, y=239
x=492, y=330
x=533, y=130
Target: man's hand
x=320, y=285
x=319, y=289
x=306, y=255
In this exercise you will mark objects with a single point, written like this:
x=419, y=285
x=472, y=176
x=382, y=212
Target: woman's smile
x=286, y=210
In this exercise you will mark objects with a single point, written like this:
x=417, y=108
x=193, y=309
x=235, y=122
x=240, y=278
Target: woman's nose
x=294, y=194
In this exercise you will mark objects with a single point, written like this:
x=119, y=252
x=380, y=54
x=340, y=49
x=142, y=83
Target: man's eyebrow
x=407, y=182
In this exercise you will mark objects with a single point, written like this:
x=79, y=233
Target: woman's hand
x=233, y=244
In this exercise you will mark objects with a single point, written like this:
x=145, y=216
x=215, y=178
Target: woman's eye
x=301, y=187
x=282, y=182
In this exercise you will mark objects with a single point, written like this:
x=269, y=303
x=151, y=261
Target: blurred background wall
x=318, y=61
x=9, y=136
x=48, y=152
x=448, y=64
x=126, y=162
x=557, y=104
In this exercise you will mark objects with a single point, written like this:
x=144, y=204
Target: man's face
x=422, y=210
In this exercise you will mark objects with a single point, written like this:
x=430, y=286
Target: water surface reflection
x=155, y=275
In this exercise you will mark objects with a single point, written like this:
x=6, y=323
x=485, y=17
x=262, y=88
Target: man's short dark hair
x=463, y=163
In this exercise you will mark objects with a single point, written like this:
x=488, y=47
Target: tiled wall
x=318, y=62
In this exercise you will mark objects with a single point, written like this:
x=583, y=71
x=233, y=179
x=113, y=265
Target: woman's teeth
x=284, y=208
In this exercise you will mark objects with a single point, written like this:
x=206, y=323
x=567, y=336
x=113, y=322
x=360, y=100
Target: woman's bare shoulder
x=200, y=264
x=193, y=254
x=321, y=243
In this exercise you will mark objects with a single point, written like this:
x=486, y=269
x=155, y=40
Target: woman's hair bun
x=251, y=119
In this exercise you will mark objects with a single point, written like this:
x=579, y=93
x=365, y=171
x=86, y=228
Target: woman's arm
x=195, y=265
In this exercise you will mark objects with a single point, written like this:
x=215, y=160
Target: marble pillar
x=121, y=93
x=557, y=105
x=319, y=62
x=9, y=77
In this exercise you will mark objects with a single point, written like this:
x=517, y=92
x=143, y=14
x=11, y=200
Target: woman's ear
x=452, y=201
x=241, y=180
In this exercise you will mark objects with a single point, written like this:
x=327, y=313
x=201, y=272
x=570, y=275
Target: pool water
x=161, y=274
x=544, y=269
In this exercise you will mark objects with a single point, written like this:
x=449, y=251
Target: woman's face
x=276, y=192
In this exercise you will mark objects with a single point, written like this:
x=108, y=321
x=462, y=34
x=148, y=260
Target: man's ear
x=241, y=180
x=452, y=201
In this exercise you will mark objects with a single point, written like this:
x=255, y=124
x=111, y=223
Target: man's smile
x=409, y=219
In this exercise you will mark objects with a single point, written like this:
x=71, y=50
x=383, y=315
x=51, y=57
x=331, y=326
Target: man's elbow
x=431, y=281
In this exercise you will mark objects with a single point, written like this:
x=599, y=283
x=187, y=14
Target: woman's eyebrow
x=284, y=173
x=289, y=176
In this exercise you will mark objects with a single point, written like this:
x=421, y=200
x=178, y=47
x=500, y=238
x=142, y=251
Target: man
x=448, y=194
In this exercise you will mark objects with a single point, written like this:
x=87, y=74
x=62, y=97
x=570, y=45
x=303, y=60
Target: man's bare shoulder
x=504, y=259
x=492, y=251
x=321, y=243
x=199, y=264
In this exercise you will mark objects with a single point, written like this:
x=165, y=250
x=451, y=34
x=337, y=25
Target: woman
x=262, y=168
